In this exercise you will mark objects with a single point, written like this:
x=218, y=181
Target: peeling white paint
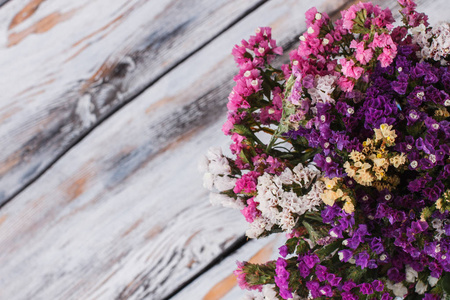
x=85, y=110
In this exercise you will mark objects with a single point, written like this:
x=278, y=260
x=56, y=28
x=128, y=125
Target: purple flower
x=419, y=183
x=311, y=260
x=345, y=255
x=282, y=278
x=447, y=229
x=377, y=246
x=303, y=270
x=395, y=275
x=329, y=213
x=362, y=259
x=419, y=226
x=336, y=232
x=433, y=193
x=333, y=279
x=326, y=291
x=431, y=297
x=386, y=296
x=412, y=116
x=378, y=285
x=348, y=286
x=308, y=81
x=321, y=273
x=349, y=296
x=401, y=84
x=283, y=250
x=416, y=97
x=313, y=287
x=366, y=289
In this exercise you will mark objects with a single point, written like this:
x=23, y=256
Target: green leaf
x=327, y=250
x=302, y=247
x=313, y=235
x=445, y=283
x=292, y=244
x=245, y=131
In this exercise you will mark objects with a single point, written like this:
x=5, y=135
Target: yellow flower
x=439, y=203
x=330, y=183
x=366, y=166
x=385, y=132
x=398, y=160
x=380, y=162
x=379, y=174
x=348, y=207
x=364, y=178
x=328, y=197
x=356, y=156
x=351, y=172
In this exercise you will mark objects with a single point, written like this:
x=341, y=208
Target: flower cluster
x=346, y=149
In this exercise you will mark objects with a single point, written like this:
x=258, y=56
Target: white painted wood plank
x=65, y=65
x=220, y=283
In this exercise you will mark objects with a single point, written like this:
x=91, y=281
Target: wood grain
x=220, y=283
x=123, y=214
x=66, y=65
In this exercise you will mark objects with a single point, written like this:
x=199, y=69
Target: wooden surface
x=105, y=109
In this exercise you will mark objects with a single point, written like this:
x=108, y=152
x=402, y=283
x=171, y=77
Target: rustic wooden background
x=106, y=106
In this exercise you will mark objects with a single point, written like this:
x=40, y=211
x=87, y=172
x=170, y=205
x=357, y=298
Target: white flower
x=214, y=153
x=287, y=176
x=432, y=281
x=421, y=287
x=269, y=292
x=225, y=201
x=203, y=164
x=411, y=274
x=208, y=181
x=258, y=226
x=435, y=43
x=218, y=164
x=398, y=289
x=224, y=183
x=280, y=205
x=252, y=296
x=323, y=87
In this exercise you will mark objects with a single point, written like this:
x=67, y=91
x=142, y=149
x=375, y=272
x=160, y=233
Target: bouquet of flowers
x=346, y=149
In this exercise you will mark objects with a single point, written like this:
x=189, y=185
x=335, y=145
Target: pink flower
x=250, y=212
x=241, y=278
x=386, y=58
x=247, y=183
x=385, y=42
x=310, y=15
x=236, y=101
x=346, y=84
x=237, y=146
x=362, y=55
x=227, y=126
x=349, y=15
x=349, y=69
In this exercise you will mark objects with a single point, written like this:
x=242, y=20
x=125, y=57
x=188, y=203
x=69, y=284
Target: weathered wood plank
x=66, y=65
x=220, y=283
x=123, y=214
